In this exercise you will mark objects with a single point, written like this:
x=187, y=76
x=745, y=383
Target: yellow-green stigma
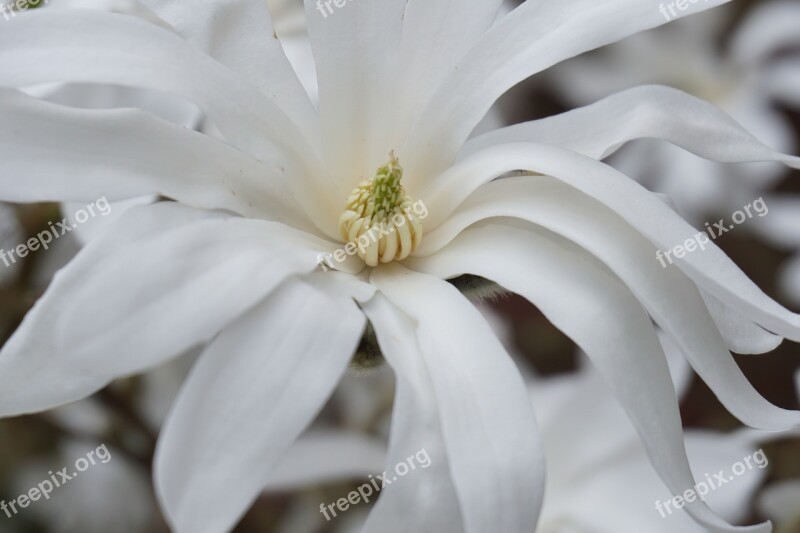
x=380, y=219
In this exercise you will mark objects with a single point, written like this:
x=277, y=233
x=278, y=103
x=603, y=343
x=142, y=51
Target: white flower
x=233, y=261
x=745, y=77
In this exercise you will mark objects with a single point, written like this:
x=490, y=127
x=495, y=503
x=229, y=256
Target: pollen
x=380, y=219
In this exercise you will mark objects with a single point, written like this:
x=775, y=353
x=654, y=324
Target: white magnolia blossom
x=745, y=78
x=232, y=263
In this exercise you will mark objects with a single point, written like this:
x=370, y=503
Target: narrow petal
x=436, y=35
x=186, y=274
x=96, y=47
x=356, y=48
x=666, y=292
x=82, y=155
x=489, y=430
x=240, y=35
x=596, y=311
x=416, y=426
x=710, y=269
x=650, y=111
x=250, y=395
x=530, y=39
x=743, y=335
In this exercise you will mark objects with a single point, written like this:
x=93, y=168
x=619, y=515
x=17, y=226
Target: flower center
x=380, y=219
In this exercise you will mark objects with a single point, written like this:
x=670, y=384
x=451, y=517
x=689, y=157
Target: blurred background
x=744, y=57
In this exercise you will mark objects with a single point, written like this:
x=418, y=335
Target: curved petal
x=96, y=47
x=416, y=426
x=186, y=273
x=247, y=399
x=90, y=96
x=666, y=293
x=55, y=153
x=240, y=35
x=743, y=335
x=530, y=39
x=710, y=269
x=593, y=308
x=356, y=48
x=291, y=28
x=488, y=425
x=650, y=111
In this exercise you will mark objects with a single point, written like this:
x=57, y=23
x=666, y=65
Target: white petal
x=583, y=426
x=163, y=280
x=530, y=39
x=90, y=96
x=666, y=293
x=239, y=34
x=487, y=422
x=710, y=269
x=94, y=223
x=289, y=17
x=416, y=426
x=649, y=111
x=594, y=309
x=436, y=35
x=95, y=47
x=83, y=155
x=356, y=48
x=742, y=335
x=321, y=457
x=599, y=474
x=250, y=395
